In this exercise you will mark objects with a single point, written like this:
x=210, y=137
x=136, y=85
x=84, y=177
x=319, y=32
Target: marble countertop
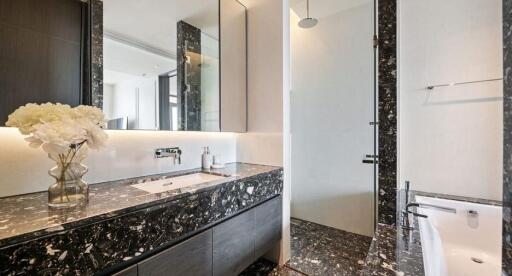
x=27, y=216
x=396, y=251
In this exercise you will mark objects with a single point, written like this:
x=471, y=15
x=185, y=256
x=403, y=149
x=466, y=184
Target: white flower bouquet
x=64, y=133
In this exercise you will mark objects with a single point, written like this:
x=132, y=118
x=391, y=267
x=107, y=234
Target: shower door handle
x=371, y=159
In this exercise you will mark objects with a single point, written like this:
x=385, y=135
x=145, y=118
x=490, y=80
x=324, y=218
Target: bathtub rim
x=416, y=231
x=395, y=251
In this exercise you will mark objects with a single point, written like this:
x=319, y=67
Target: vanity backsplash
x=128, y=154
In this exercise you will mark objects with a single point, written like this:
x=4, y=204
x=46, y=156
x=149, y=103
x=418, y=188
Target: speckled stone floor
x=264, y=267
x=317, y=250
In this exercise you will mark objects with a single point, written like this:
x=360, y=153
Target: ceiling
x=324, y=8
x=153, y=22
x=122, y=62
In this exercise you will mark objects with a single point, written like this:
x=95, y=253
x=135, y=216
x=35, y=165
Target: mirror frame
x=94, y=45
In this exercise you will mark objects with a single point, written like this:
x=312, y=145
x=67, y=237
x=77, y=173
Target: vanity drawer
x=268, y=221
x=233, y=245
x=191, y=257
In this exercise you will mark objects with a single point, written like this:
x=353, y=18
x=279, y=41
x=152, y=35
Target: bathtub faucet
x=406, y=212
x=413, y=204
x=405, y=222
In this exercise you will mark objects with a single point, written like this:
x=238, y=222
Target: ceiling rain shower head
x=308, y=22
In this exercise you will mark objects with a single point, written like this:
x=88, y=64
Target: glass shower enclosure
x=333, y=115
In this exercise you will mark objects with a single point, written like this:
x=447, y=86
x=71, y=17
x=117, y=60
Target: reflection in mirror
x=161, y=69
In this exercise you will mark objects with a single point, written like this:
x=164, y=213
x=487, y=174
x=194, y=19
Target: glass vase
x=69, y=189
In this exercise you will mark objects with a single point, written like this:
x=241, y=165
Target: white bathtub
x=454, y=244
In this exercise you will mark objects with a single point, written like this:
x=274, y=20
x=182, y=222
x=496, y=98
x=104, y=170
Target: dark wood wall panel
x=39, y=53
x=56, y=18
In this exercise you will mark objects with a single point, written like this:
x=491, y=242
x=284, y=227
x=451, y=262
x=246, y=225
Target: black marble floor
x=263, y=267
x=317, y=250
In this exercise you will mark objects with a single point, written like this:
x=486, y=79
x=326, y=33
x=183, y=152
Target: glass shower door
x=333, y=116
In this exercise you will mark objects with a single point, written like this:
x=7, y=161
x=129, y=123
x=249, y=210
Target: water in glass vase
x=69, y=189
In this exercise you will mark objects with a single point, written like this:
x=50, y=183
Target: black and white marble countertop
x=396, y=251
x=29, y=214
x=121, y=223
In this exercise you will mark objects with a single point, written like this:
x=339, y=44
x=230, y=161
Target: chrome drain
x=476, y=260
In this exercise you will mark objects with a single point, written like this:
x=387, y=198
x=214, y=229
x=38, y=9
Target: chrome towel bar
x=432, y=87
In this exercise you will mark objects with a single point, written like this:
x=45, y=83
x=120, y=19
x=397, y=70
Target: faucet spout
x=174, y=152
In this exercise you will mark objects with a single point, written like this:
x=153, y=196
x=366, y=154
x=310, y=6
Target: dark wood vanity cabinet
x=268, y=219
x=189, y=258
x=238, y=242
x=223, y=250
x=233, y=246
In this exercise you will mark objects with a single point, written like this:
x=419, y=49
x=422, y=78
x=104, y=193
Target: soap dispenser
x=206, y=158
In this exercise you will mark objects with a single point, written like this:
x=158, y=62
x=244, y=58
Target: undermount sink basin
x=178, y=182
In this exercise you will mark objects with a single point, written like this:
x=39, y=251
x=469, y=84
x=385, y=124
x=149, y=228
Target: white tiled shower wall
x=451, y=137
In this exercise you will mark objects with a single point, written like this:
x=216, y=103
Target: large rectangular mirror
x=149, y=64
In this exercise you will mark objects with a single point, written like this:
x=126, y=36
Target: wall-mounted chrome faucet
x=174, y=152
x=406, y=212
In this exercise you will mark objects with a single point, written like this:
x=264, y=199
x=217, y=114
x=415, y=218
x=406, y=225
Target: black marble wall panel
x=189, y=77
x=96, y=81
x=387, y=101
x=507, y=139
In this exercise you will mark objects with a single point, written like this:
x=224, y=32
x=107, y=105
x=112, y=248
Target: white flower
x=33, y=142
x=27, y=117
x=58, y=136
x=57, y=127
x=92, y=113
x=95, y=135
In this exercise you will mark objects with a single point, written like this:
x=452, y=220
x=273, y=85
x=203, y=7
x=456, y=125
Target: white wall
x=331, y=107
x=128, y=154
x=135, y=98
x=108, y=100
x=263, y=142
x=451, y=138
x=265, y=65
x=260, y=148
x=268, y=79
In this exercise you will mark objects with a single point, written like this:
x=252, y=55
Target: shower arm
x=307, y=8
